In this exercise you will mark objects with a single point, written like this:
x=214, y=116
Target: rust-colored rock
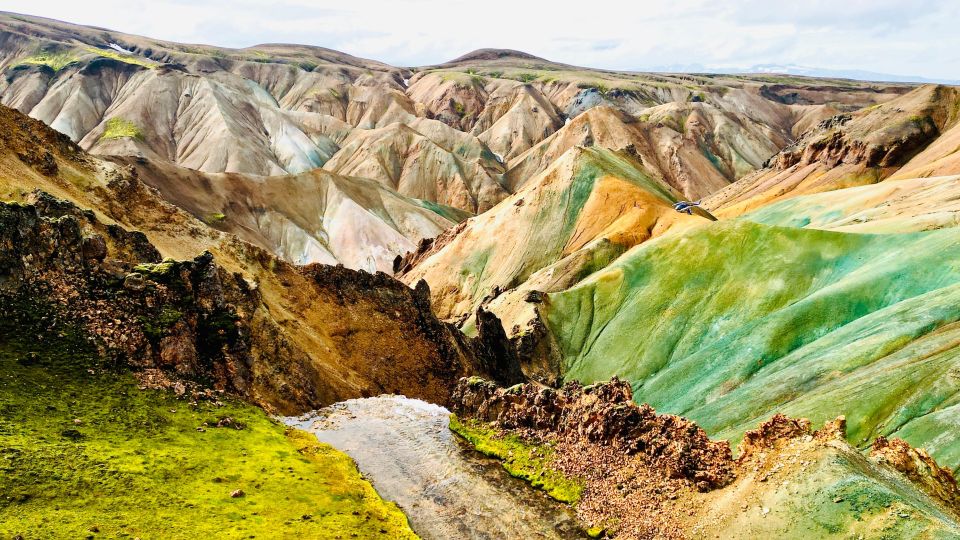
x=772, y=433
x=918, y=466
x=603, y=414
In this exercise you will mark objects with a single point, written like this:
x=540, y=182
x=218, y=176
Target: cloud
x=892, y=36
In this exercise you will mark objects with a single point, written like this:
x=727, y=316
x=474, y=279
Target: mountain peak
x=495, y=54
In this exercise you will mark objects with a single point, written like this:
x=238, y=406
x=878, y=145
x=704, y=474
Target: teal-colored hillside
x=732, y=323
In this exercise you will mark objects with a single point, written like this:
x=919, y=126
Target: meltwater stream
x=447, y=490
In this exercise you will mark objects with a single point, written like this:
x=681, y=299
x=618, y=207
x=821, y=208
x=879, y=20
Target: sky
x=912, y=38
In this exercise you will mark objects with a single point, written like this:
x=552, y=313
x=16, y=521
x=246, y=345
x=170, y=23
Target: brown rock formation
x=197, y=323
x=603, y=414
x=917, y=465
x=659, y=476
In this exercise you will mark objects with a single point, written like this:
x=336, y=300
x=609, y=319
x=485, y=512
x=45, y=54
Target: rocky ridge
x=659, y=476
x=192, y=322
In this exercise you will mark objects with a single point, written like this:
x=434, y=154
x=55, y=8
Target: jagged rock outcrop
x=191, y=319
x=917, y=465
x=777, y=429
x=658, y=476
x=603, y=414
x=194, y=323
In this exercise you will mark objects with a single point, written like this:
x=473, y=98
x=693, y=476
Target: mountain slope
x=424, y=159
x=753, y=319
x=892, y=206
x=278, y=109
x=695, y=148
x=854, y=149
x=306, y=336
x=590, y=206
x=271, y=110
x=312, y=217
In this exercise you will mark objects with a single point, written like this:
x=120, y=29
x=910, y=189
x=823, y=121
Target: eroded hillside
x=632, y=473
x=223, y=223
x=463, y=134
x=161, y=290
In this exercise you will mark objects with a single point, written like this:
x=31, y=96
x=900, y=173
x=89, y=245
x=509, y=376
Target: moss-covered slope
x=728, y=324
x=85, y=451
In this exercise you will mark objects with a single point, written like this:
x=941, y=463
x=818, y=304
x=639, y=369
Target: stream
x=447, y=490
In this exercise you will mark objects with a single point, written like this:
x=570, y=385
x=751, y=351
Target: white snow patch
x=118, y=48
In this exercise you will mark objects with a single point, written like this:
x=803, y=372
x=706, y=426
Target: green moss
x=54, y=60
x=118, y=128
x=216, y=217
x=83, y=449
x=530, y=462
x=459, y=108
x=260, y=57
x=595, y=532
x=157, y=271
x=475, y=381
x=126, y=58
x=157, y=327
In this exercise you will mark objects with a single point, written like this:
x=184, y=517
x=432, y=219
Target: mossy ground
x=126, y=58
x=521, y=459
x=118, y=128
x=83, y=452
x=54, y=60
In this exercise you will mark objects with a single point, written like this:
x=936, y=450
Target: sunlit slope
x=587, y=209
x=730, y=323
x=911, y=136
x=893, y=206
x=316, y=216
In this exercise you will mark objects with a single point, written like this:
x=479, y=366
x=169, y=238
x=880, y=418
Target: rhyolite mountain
x=192, y=228
x=275, y=109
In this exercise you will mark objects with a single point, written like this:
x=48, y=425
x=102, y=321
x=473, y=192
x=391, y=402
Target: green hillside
x=731, y=323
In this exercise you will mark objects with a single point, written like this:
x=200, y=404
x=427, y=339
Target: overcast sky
x=905, y=37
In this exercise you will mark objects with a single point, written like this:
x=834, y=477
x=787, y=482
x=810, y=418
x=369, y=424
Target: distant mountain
x=803, y=71
x=857, y=74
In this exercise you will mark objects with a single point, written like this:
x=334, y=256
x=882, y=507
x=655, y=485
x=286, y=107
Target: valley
x=285, y=292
